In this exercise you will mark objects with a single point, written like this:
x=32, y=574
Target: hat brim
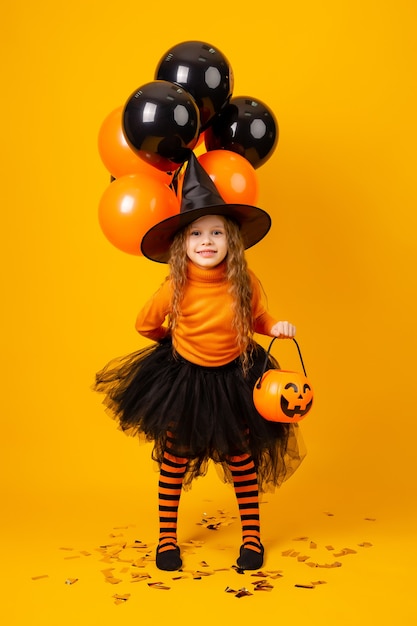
x=254, y=224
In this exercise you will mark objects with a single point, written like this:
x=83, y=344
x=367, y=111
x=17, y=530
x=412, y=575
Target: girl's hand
x=283, y=330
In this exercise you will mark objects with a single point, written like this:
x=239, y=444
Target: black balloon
x=161, y=123
x=246, y=126
x=203, y=71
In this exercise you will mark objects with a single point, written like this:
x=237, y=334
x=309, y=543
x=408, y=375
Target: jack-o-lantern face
x=283, y=396
x=296, y=399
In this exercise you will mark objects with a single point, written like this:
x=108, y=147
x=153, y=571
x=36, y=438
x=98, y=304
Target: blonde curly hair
x=237, y=275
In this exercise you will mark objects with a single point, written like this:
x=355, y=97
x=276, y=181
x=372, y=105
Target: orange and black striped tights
x=245, y=484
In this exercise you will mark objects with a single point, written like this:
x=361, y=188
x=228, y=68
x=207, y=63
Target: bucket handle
x=258, y=385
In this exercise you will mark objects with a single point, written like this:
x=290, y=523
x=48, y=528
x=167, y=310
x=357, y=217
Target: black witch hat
x=200, y=197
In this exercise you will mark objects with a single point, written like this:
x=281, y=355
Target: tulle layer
x=208, y=411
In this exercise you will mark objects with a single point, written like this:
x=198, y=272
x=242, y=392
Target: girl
x=191, y=392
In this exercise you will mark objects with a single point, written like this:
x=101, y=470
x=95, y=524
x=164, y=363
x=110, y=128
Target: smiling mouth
x=296, y=410
x=206, y=252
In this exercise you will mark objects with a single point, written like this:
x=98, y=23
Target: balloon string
x=258, y=386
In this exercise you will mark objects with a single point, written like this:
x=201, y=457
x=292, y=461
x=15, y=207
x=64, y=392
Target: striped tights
x=245, y=483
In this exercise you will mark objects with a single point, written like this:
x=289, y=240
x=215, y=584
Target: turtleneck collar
x=208, y=276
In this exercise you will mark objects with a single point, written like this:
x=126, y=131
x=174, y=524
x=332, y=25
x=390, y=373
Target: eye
x=194, y=233
x=217, y=232
x=291, y=386
x=306, y=388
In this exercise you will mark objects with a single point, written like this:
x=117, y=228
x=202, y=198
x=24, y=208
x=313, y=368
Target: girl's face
x=207, y=242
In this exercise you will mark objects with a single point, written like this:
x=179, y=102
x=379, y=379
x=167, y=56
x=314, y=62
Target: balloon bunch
x=145, y=143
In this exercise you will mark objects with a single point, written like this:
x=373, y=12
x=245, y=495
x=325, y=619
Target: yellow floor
x=88, y=559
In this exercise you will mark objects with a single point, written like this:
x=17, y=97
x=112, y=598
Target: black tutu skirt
x=208, y=412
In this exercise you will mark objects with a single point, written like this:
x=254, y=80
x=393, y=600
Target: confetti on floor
x=239, y=593
x=127, y=560
x=159, y=585
x=215, y=522
x=139, y=577
x=262, y=586
x=344, y=552
x=121, y=599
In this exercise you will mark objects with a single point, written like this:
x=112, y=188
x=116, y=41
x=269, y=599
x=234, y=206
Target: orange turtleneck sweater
x=204, y=333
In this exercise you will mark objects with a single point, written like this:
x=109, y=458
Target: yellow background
x=340, y=262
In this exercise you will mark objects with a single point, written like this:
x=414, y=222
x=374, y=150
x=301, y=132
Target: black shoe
x=169, y=560
x=249, y=559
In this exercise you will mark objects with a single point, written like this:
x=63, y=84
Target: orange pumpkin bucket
x=283, y=395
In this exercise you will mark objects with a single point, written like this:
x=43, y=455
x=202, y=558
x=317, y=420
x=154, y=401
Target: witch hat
x=200, y=197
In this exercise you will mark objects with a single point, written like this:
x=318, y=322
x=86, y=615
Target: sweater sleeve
x=151, y=318
x=263, y=321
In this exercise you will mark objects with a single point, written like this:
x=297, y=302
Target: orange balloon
x=233, y=175
x=130, y=206
x=116, y=154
